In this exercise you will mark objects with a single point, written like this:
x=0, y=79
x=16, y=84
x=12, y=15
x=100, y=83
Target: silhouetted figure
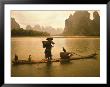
x=64, y=49
x=29, y=59
x=16, y=58
x=48, y=45
x=65, y=56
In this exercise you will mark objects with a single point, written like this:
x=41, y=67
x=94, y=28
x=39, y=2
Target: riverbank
x=61, y=36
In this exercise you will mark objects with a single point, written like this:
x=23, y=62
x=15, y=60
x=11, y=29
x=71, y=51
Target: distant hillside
x=14, y=24
x=49, y=29
x=17, y=31
x=80, y=24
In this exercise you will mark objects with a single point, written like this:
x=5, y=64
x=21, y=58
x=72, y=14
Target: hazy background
x=44, y=18
x=56, y=22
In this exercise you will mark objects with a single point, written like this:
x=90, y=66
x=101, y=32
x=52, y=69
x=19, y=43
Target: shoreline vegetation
x=60, y=36
x=31, y=33
x=22, y=32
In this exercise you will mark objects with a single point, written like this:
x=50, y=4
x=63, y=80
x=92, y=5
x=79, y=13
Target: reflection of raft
x=91, y=56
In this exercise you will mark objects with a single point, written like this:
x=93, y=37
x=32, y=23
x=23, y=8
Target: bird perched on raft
x=64, y=49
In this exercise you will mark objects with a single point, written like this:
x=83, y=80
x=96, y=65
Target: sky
x=56, y=19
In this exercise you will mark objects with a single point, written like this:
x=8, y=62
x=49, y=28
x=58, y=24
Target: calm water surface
x=23, y=46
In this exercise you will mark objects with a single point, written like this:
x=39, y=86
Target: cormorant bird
x=64, y=49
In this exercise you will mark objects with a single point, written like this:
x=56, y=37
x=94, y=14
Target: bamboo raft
x=61, y=60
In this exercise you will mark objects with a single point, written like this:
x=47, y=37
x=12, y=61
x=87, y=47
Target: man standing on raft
x=48, y=45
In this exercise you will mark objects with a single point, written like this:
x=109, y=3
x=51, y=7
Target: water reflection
x=49, y=64
x=77, y=45
x=48, y=68
x=82, y=46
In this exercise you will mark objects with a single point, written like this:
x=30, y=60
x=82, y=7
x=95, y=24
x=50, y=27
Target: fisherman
x=49, y=44
x=16, y=58
x=65, y=54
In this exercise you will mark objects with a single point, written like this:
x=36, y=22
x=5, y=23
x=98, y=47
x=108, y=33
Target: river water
x=24, y=46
